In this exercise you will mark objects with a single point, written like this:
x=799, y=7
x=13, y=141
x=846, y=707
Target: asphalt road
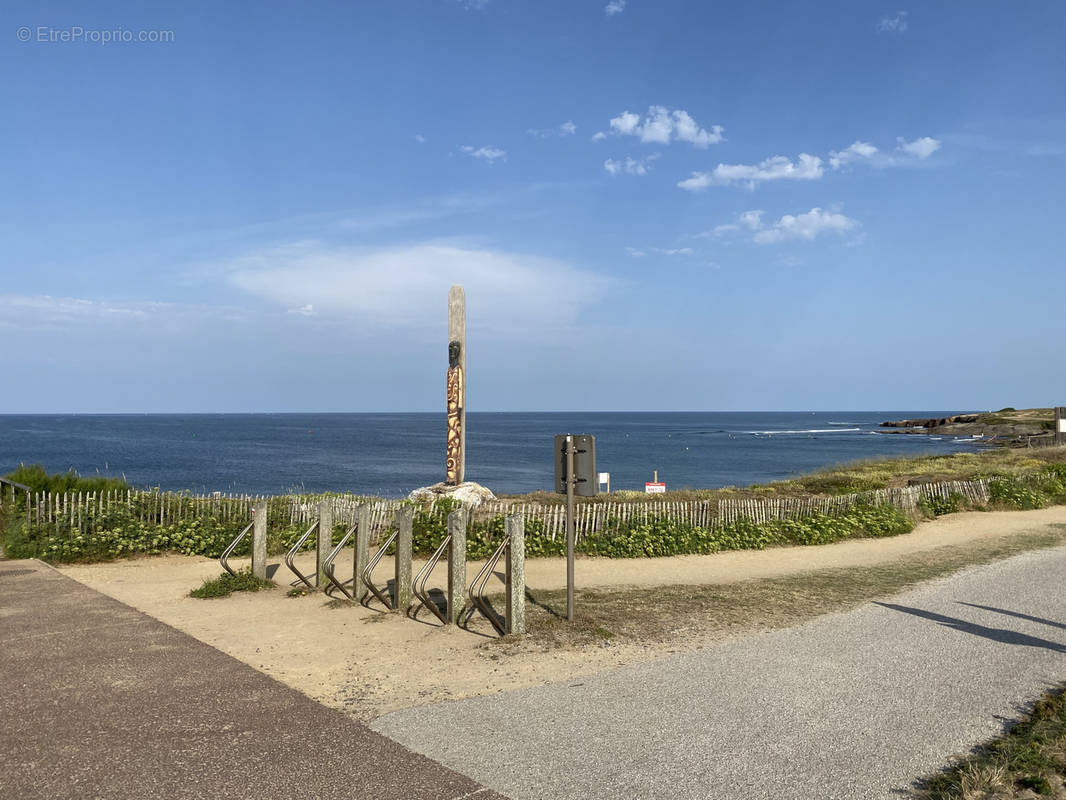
x=851, y=705
x=98, y=700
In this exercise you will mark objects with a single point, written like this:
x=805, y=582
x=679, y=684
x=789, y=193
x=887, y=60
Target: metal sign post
x=575, y=475
x=571, y=483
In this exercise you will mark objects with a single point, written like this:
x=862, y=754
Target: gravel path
x=851, y=705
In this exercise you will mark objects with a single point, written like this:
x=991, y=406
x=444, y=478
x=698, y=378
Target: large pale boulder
x=468, y=493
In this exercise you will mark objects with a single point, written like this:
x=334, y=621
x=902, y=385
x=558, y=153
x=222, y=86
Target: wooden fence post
x=515, y=530
x=324, y=542
x=259, y=541
x=456, y=565
x=362, y=552
x=405, y=518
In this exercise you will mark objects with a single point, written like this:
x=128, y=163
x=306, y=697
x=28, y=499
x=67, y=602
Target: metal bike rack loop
x=291, y=556
x=419, y=583
x=224, y=558
x=377, y=592
x=477, y=590
x=327, y=565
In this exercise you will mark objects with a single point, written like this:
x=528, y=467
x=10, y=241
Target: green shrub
x=1058, y=470
x=39, y=480
x=1012, y=492
x=939, y=506
x=225, y=584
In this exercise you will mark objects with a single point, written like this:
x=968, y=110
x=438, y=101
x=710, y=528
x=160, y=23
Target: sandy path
x=368, y=662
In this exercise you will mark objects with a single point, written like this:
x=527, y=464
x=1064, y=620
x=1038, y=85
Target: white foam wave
x=809, y=430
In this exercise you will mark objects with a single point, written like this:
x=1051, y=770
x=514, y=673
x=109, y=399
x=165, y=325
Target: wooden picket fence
x=75, y=508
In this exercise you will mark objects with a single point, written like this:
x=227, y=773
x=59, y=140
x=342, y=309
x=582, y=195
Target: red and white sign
x=654, y=488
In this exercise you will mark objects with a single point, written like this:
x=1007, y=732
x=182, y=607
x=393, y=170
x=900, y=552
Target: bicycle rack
x=370, y=568
x=291, y=556
x=419, y=583
x=327, y=565
x=477, y=591
x=224, y=558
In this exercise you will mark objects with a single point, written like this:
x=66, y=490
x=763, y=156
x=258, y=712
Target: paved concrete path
x=852, y=705
x=98, y=700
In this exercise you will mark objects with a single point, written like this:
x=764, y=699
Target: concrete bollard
x=405, y=519
x=456, y=565
x=259, y=541
x=325, y=539
x=515, y=530
x=362, y=552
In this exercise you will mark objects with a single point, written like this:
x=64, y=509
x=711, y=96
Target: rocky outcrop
x=931, y=422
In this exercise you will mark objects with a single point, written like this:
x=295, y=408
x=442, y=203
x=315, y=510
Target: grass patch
x=225, y=584
x=37, y=478
x=1028, y=760
x=698, y=613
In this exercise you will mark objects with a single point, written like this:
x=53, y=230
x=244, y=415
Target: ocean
x=388, y=455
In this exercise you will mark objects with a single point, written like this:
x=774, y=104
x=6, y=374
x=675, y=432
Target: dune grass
x=1027, y=761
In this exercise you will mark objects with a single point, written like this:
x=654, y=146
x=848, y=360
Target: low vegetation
x=1018, y=480
x=38, y=479
x=226, y=584
x=1028, y=761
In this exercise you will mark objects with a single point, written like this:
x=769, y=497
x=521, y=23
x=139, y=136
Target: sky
x=655, y=206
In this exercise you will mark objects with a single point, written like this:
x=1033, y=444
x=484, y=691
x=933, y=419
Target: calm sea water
x=390, y=454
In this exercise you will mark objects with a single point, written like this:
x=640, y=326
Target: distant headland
x=1008, y=427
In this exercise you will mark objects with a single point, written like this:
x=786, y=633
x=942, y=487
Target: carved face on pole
x=455, y=414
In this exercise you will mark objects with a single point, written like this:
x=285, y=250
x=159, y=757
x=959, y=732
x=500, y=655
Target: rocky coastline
x=1008, y=427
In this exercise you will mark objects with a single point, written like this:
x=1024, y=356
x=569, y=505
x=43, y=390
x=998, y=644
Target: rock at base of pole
x=468, y=493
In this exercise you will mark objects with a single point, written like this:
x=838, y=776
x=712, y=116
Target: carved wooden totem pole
x=455, y=461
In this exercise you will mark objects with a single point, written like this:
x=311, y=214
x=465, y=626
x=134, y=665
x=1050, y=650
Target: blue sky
x=651, y=205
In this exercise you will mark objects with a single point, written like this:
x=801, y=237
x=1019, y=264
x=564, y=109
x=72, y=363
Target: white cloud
x=676, y=251
x=919, y=148
x=599, y=136
x=420, y=138
x=630, y=166
x=807, y=227
x=476, y=5
x=306, y=311
x=749, y=220
x=568, y=128
x=856, y=151
x=661, y=126
x=45, y=312
x=406, y=286
x=896, y=24
x=865, y=153
x=615, y=7
x=490, y=154
x=806, y=167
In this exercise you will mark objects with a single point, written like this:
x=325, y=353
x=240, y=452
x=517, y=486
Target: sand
x=367, y=662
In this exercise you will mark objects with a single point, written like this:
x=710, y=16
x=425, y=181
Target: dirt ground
x=368, y=662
